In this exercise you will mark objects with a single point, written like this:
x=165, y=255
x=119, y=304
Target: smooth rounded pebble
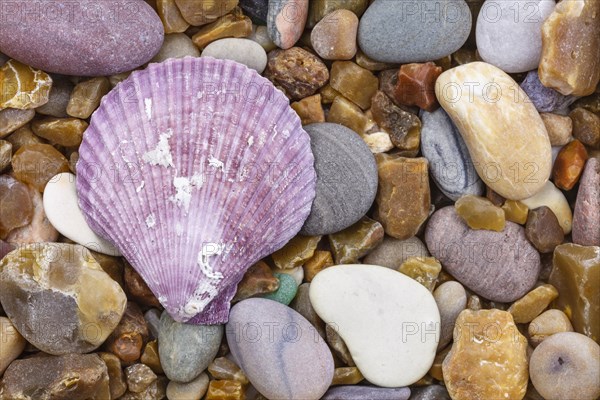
x=346, y=179
x=279, y=350
x=553, y=198
x=451, y=299
x=389, y=321
x=500, y=266
x=193, y=390
x=366, y=393
x=586, y=217
x=243, y=51
x=176, y=45
x=392, y=252
x=12, y=343
x=566, y=366
x=430, y=392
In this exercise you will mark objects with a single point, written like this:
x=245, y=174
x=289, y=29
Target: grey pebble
x=431, y=392
x=58, y=99
x=176, y=45
x=451, y=299
x=392, y=252
x=366, y=393
x=545, y=99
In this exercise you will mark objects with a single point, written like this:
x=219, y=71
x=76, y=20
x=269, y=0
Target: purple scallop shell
x=195, y=169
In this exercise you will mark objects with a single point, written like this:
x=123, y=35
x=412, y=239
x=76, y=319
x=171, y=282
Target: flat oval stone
x=509, y=34
x=279, y=350
x=389, y=322
x=366, y=393
x=409, y=31
x=500, y=266
x=504, y=133
x=286, y=20
x=346, y=179
x=586, y=217
x=243, y=51
x=87, y=37
x=449, y=161
x=451, y=299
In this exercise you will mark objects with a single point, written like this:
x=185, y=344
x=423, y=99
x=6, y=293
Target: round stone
x=176, y=45
x=334, y=37
x=566, y=366
x=243, y=51
x=346, y=179
x=193, y=390
x=12, y=343
x=380, y=314
x=451, y=299
x=392, y=252
x=286, y=291
x=366, y=393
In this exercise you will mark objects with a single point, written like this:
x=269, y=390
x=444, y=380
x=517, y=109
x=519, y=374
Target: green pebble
x=287, y=289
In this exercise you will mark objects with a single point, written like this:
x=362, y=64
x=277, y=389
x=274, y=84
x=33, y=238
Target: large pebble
x=87, y=37
x=500, y=266
x=186, y=350
x=409, y=31
x=586, y=217
x=392, y=252
x=243, y=51
x=11, y=343
x=286, y=20
x=451, y=299
x=366, y=393
x=449, y=161
x=334, y=37
x=551, y=197
x=279, y=350
x=389, y=322
x=509, y=34
x=346, y=179
x=505, y=134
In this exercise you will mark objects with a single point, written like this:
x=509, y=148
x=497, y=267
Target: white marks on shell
x=151, y=221
x=183, y=190
x=250, y=140
x=215, y=163
x=178, y=229
x=161, y=155
x=209, y=250
x=140, y=187
x=148, y=108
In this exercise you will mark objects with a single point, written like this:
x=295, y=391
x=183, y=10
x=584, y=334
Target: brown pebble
x=225, y=390
x=334, y=37
x=150, y=357
x=86, y=97
x=543, y=229
x=328, y=94
x=416, y=85
x=404, y=127
x=317, y=263
x=116, y=377
x=139, y=377
x=515, y=211
x=569, y=164
x=547, y=324
x=171, y=17
x=559, y=127
x=23, y=136
x=12, y=119
x=533, y=303
x=338, y=346
x=62, y=131
x=5, y=154
x=137, y=290
x=296, y=252
x=424, y=270
x=346, y=376
x=224, y=368
x=231, y=25
x=127, y=340
x=586, y=127
x=36, y=164
x=202, y=12
x=258, y=279
x=366, y=62
x=345, y=112
x=309, y=109
x=356, y=241
x=354, y=82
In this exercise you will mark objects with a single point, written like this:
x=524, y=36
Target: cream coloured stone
x=378, y=142
x=551, y=197
x=12, y=343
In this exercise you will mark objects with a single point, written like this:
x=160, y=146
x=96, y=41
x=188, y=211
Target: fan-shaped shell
x=195, y=169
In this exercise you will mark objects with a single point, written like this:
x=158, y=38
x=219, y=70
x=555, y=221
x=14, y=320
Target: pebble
x=370, y=306
x=544, y=99
x=152, y=318
x=224, y=368
x=176, y=45
x=543, y=230
x=449, y=161
x=59, y=97
x=301, y=304
x=40, y=230
x=128, y=338
x=481, y=353
x=193, y=390
x=366, y=393
x=125, y=45
x=296, y=273
x=451, y=299
x=58, y=310
x=566, y=366
x=186, y=350
x=430, y=392
x=533, y=303
x=559, y=128
x=354, y=82
x=586, y=217
x=387, y=30
x=225, y=389
x=317, y=263
x=416, y=85
x=22, y=136
x=506, y=138
x=356, y=241
x=5, y=154
x=509, y=35
x=309, y=109
x=86, y=97
x=424, y=270
x=547, y=324
x=261, y=36
x=139, y=377
x=286, y=20
x=403, y=127
x=556, y=201
x=243, y=51
x=256, y=9
x=480, y=213
x=319, y=9
x=258, y=279
x=71, y=376
x=569, y=165
x=12, y=343
x=296, y=252
x=17, y=207
x=171, y=17
x=392, y=252
x=346, y=376
x=137, y=289
x=234, y=25
x=151, y=358
x=116, y=378
x=481, y=259
x=403, y=199
x=337, y=345
x=345, y=112
x=273, y=345
x=204, y=12
x=286, y=291
x=334, y=36
x=346, y=179
x=66, y=132
x=12, y=119
x=23, y=87
x=36, y=164
x=586, y=127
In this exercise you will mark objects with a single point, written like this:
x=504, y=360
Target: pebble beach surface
x=300, y=200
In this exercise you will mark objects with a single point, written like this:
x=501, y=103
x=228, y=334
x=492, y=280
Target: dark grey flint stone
x=406, y=31
x=450, y=164
x=186, y=350
x=84, y=37
x=256, y=9
x=500, y=266
x=545, y=99
x=366, y=393
x=346, y=179
x=431, y=392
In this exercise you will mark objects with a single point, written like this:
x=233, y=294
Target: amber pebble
x=23, y=136
x=515, y=211
x=346, y=376
x=137, y=290
x=487, y=348
x=328, y=94
x=403, y=197
x=436, y=369
x=366, y=62
x=157, y=390
x=6, y=148
x=225, y=390
x=309, y=109
x=171, y=17
x=36, y=164
x=12, y=119
x=334, y=37
x=465, y=56
x=416, y=85
x=258, y=279
x=17, y=208
x=547, y=324
x=224, y=368
x=231, y=25
x=317, y=263
x=128, y=338
x=355, y=83
x=569, y=165
x=320, y=8
x=559, y=127
x=139, y=377
x=116, y=377
x=296, y=71
x=480, y=213
x=40, y=230
x=570, y=61
x=533, y=303
x=113, y=266
x=576, y=276
x=543, y=229
x=356, y=241
x=202, y=12
x=150, y=357
x=86, y=96
x=494, y=197
x=23, y=87
x=296, y=252
x=424, y=270
x=345, y=112
x=63, y=131
x=404, y=127
x=586, y=127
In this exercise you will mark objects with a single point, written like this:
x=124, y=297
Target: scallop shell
x=195, y=169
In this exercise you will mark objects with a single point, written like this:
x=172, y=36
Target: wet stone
x=36, y=164
x=296, y=251
x=569, y=165
x=204, y=12
x=224, y=368
x=533, y=303
x=12, y=119
x=256, y=9
x=151, y=358
x=346, y=376
x=171, y=17
x=586, y=127
x=225, y=390
x=139, y=377
x=559, y=127
x=128, y=338
x=356, y=241
x=547, y=324
x=480, y=213
x=62, y=131
x=22, y=86
x=515, y=211
x=286, y=291
x=17, y=206
x=86, y=97
x=424, y=270
x=116, y=378
x=543, y=230
x=416, y=85
x=231, y=25
x=317, y=263
x=258, y=279
x=404, y=127
x=354, y=82
x=309, y=109
x=334, y=37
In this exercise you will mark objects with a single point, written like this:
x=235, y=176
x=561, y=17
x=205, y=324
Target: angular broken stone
x=416, y=85
x=296, y=252
x=356, y=241
x=480, y=213
x=404, y=127
x=258, y=279
x=424, y=270
x=533, y=303
x=23, y=87
x=354, y=82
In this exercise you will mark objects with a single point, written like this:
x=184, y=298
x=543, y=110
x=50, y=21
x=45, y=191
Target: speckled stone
x=544, y=99
x=392, y=252
x=346, y=179
x=481, y=259
x=451, y=299
x=586, y=217
x=366, y=393
x=278, y=350
x=95, y=38
x=286, y=20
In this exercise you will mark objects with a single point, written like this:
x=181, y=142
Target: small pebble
x=258, y=279
x=116, y=378
x=586, y=127
x=559, y=128
x=256, y=9
x=515, y=211
x=40, y=230
x=12, y=343
x=296, y=273
x=86, y=97
x=569, y=165
x=543, y=230
x=309, y=109
x=317, y=263
x=451, y=300
x=201, y=13
x=430, y=392
x=302, y=305
x=171, y=17
x=533, y=303
x=338, y=346
x=392, y=253
x=356, y=241
x=354, y=82
x=319, y=9
x=36, y=164
x=586, y=216
x=151, y=358
x=296, y=252
x=224, y=368
x=403, y=127
x=556, y=201
x=416, y=85
x=139, y=377
x=230, y=25
x=62, y=131
x=225, y=390
x=286, y=20
x=334, y=36
x=547, y=324
x=12, y=119
x=286, y=291
x=424, y=270
x=193, y=390
x=60, y=94
x=345, y=112
x=176, y=45
x=480, y=213
x=127, y=340
x=23, y=87
x=366, y=393
x=346, y=376
x=243, y=51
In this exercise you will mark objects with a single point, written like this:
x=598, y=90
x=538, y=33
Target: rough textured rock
x=533, y=303
x=586, y=217
x=356, y=241
x=543, y=229
x=586, y=127
x=416, y=85
x=545, y=99
x=559, y=127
